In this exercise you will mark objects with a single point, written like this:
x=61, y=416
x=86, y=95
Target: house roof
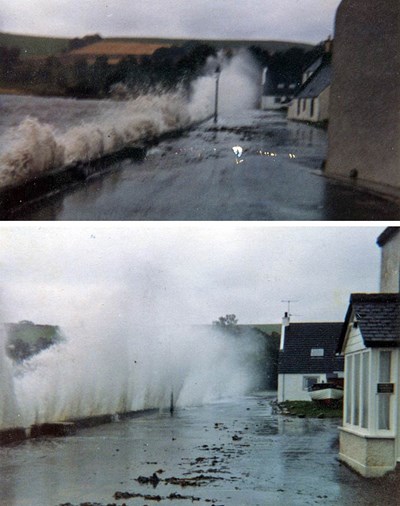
x=278, y=85
x=313, y=66
x=386, y=235
x=378, y=317
x=317, y=83
x=300, y=338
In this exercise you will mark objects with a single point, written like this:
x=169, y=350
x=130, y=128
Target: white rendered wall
x=290, y=387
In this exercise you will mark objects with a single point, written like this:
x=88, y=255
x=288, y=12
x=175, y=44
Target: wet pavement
x=230, y=453
x=199, y=177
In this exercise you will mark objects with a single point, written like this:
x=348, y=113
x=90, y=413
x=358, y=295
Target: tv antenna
x=289, y=301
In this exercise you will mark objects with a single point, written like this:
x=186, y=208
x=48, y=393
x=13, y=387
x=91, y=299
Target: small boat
x=326, y=392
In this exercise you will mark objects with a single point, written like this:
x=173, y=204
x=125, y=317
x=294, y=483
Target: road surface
x=199, y=177
x=233, y=453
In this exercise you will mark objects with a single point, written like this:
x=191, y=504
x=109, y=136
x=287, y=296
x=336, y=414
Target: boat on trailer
x=326, y=392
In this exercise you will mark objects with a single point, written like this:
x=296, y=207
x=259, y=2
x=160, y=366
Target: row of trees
x=166, y=68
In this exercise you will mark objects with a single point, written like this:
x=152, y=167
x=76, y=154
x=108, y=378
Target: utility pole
x=218, y=73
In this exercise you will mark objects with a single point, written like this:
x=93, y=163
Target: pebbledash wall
x=364, y=125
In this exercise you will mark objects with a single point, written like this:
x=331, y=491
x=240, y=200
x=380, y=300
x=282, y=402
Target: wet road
x=199, y=177
x=248, y=455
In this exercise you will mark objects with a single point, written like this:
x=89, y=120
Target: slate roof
x=313, y=66
x=378, y=316
x=273, y=82
x=300, y=338
x=317, y=83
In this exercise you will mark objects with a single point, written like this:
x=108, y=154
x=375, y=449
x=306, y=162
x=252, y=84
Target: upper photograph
x=280, y=110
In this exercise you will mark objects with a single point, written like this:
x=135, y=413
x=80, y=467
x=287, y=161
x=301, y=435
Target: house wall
x=290, y=386
x=369, y=456
x=364, y=128
x=320, y=112
x=354, y=340
x=268, y=102
x=304, y=112
x=390, y=265
x=323, y=113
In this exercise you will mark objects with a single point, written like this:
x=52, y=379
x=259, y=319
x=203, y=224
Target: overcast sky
x=296, y=20
x=189, y=273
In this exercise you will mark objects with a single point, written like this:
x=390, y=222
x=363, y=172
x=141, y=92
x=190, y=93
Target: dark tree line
x=166, y=68
x=289, y=65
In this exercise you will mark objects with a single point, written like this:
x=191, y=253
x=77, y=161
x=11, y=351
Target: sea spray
x=116, y=368
x=238, y=86
x=44, y=141
x=8, y=405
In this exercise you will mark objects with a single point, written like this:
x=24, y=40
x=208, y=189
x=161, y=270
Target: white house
x=307, y=355
x=311, y=102
x=370, y=342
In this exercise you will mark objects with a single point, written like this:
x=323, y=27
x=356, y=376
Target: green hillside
x=25, y=339
x=31, y=45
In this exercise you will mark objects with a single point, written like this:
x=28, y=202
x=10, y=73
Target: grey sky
x=298, y=20
x=188, y=273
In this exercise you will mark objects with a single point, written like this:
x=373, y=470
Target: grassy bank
x=310, y=409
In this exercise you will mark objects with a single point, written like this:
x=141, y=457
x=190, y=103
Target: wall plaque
x=385, y=388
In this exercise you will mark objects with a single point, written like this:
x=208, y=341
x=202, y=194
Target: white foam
x=34, y=147
x=117, y=368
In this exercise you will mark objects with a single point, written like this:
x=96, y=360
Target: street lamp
x=217, y=74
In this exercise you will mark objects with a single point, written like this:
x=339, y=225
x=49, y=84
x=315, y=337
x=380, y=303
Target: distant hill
x=273, y=46
x=32, y=45
x=25, y=339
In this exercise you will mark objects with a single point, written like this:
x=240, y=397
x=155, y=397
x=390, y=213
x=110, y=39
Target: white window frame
x=371, y=397
x=354, y=388
x=307, y=377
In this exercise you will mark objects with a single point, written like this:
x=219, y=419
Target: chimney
x=285, y=323
x=328, y=45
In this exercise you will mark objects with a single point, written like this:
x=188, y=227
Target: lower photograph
x=221, y=363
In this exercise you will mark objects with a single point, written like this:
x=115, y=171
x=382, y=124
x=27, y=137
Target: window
x=312, y=108
x=292, y=86
x=357, y=389
x=365, y=391
x=317, y=352
x=298, y=107
x=348, y=379
x=384, y=398
x=304, y=104
x=281, y=86
x=277, y=100
x=309, y=381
